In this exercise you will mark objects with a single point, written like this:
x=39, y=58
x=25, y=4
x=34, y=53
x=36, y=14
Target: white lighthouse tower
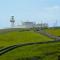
x=12, y=20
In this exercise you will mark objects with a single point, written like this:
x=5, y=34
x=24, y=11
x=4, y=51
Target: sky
x=45, y=11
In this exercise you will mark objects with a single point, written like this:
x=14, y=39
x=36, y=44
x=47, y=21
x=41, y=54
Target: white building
x=28, y=24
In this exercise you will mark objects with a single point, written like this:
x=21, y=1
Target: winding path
x=8, y=49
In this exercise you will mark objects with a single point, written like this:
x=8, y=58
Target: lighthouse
x=12, y=20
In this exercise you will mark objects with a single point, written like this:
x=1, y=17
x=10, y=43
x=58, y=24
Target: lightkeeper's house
x=28, y=24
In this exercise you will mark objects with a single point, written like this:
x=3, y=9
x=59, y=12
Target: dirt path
x=49, y=35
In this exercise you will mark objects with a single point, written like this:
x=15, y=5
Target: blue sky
x=29, y=10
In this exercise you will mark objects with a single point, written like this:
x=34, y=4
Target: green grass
x=52, y=31
x=34, y=50
x=14, y=37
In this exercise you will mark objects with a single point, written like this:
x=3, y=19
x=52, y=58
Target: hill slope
x=15, y=37
x=28, y=52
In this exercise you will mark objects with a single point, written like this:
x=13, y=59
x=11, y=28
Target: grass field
x=55, y=32
x=15, y=37
x=28, y=52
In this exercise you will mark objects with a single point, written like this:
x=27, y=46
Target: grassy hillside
x=11, y=38
x=27, y=52
x=52, y=31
